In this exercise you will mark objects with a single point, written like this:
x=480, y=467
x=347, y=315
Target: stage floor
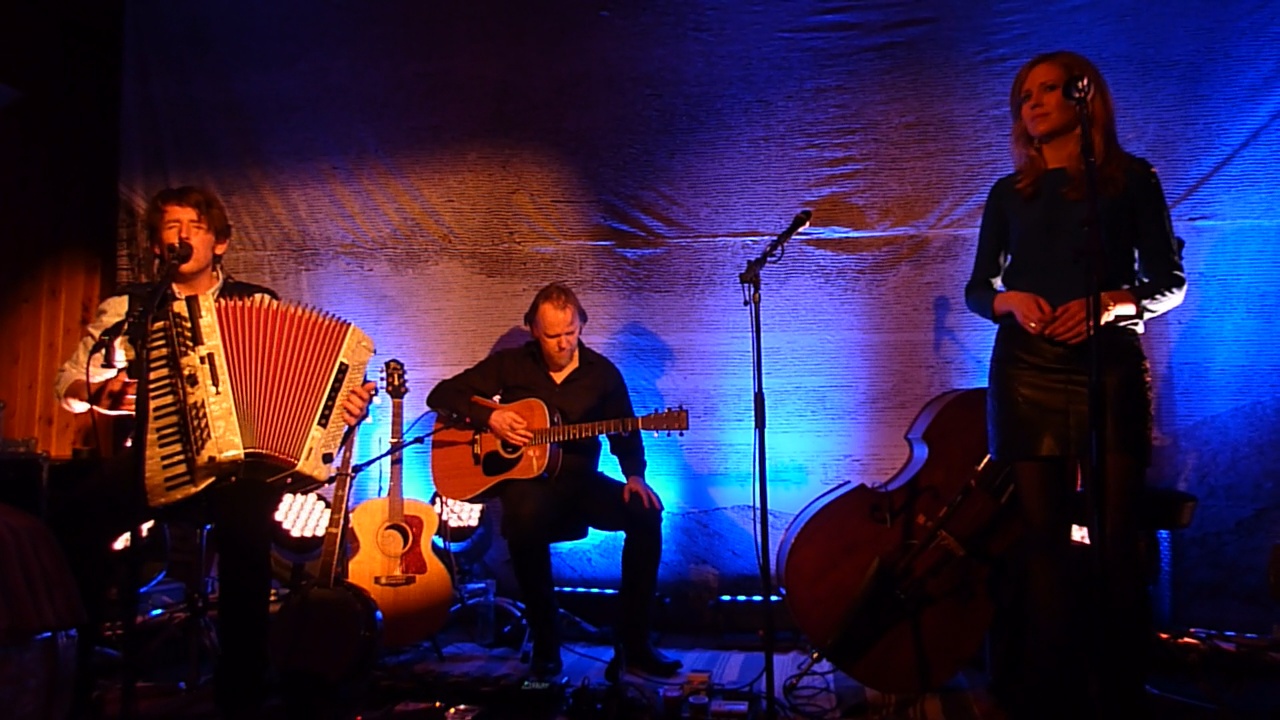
x=465, y=680
x=481, y=682
x=455, y=676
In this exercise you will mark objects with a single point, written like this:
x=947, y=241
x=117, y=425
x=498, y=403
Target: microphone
x=1078, y=89
x=800, y=222
x=773, y=253
x=180, y=253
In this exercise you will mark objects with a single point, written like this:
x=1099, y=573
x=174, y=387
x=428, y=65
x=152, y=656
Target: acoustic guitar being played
x=392, y=557
x=466, y=462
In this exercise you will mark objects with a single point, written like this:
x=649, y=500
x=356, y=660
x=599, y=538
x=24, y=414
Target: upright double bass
x=889, y=581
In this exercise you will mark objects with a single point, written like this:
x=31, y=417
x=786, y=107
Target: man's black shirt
x=594, y=391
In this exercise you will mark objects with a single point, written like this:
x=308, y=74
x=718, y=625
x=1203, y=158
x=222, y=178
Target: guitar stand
x=434, y=641
x=198, y=626
x=511, y=625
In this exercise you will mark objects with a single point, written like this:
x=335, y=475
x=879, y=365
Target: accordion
x=247, y=387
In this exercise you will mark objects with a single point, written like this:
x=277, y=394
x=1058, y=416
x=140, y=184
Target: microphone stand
x=137, y=327
x=1094, y=249
x=750, y=277
x=361, y=467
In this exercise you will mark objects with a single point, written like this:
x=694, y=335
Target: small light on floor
x=1080, y=534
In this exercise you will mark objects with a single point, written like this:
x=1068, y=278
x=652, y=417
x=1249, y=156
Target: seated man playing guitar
x=580, y=385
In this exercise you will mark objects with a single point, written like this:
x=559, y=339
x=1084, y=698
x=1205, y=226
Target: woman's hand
x=1030, y=310
x=1070, y=322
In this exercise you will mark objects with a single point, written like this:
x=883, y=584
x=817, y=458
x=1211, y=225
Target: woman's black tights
x=1079, y=622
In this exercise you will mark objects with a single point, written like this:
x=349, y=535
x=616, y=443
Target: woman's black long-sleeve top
x=1039, y=245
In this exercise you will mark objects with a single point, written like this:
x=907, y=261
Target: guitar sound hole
x=395, y=538
x=494, y=464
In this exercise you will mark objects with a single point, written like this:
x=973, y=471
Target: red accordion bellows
x=291, y=368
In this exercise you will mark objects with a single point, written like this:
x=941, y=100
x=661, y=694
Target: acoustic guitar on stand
x=466, y=462
x=393, y=559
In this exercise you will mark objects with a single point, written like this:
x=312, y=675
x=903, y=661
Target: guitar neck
x=578, y=431
x=395, y=487
x=338, y=516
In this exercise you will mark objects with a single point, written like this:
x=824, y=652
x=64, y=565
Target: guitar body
x=394, y=563
x=328, y=634
x=466, y=463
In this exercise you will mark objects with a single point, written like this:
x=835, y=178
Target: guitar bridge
x=395, y=580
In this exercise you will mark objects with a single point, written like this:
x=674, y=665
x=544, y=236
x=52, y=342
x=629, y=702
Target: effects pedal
x=730, y=708
x=697, y=682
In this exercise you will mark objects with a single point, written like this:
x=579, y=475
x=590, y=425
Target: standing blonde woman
x=1033, y=272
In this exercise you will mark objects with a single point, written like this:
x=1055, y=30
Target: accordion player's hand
x=356, y=406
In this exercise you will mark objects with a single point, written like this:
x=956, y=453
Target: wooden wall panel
x=49, y=307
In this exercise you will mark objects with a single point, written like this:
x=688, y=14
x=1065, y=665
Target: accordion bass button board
x=246, y=387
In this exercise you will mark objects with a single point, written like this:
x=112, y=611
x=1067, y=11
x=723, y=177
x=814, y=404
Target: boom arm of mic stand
x=360, y=467
x=751, y=275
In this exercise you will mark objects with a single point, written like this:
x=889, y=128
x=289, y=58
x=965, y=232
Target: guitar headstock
x=668, y=420
x=397, y=388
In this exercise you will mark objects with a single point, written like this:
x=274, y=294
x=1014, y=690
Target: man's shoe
x=644, y=659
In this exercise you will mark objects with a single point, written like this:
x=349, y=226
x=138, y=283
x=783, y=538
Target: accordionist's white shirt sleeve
x=111, y=311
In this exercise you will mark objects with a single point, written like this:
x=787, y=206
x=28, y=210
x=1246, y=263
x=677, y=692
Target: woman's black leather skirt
x=1038, y=395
